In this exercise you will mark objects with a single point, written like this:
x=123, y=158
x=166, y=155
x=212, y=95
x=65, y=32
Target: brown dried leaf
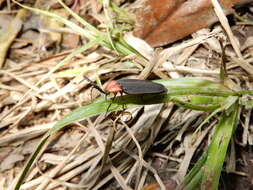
x=169, y=185
x=165, y=21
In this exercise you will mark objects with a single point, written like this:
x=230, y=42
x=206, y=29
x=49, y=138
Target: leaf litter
x=156, y=132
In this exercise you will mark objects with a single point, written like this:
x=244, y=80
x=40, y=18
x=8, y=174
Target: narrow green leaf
x=218, y=147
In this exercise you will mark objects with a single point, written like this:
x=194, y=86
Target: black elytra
x=135, y=87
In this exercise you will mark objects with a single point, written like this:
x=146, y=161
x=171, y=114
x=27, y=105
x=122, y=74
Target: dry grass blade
x=26, y=134
x=223, y=19
x=7, y=37
x=108, y=146
x=167, y=53
x=119, y=178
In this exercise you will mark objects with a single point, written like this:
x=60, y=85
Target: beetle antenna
x=96, y=86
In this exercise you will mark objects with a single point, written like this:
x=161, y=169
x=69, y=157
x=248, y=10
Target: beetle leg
x=110, y=103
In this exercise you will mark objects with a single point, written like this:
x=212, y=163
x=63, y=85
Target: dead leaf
x=169, y=185
x=165, y=21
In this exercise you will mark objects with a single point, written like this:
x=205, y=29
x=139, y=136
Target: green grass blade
x=200, y=107
x=218, y=147
x=81, y=20
x=224, y=105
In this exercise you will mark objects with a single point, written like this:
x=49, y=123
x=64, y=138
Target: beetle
x=135, y=87
x=130, y=86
